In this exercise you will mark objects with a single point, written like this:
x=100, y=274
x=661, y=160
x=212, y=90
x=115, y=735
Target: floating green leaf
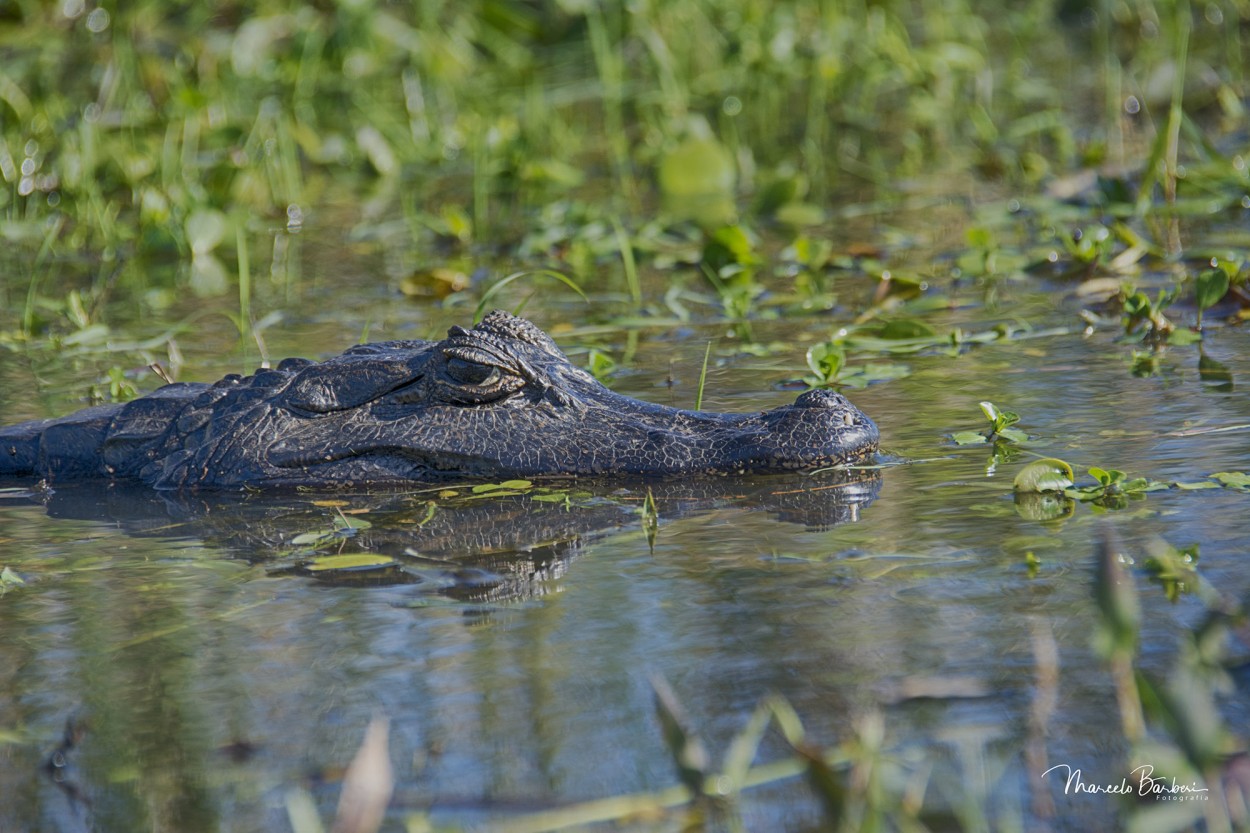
x=350, y=561
x=510, y=485
x=1233, y=480
x=563, y=497
x=969, y=438
x=1183, y=337
x=1049, y=474
x=314, y=539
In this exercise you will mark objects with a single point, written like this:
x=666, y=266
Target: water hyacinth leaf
x=969, y=438
x=1210, y=287
x=998, y=418
x=1049, y=474
x=878, y=372
x=826, y=360
x=510, y=485
x=1233, y=479
x=496, y=493
x=313, y=539
x=350, y=561
x=1106, y=478
x=1183, y=337
x=562, y=497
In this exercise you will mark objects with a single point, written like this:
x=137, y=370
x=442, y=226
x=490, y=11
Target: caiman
x=496, y=401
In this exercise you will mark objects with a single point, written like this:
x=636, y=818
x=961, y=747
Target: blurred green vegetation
x=149, y=129
x=730, y=157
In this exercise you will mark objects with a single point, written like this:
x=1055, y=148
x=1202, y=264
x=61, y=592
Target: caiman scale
x=497, y=401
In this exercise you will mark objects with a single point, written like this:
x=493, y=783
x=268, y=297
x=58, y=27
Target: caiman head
x=501, y=400
x=498, y=400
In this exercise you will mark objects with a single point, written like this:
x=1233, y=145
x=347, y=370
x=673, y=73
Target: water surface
x=207, y=673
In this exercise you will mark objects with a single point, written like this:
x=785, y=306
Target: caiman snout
x=821, y=428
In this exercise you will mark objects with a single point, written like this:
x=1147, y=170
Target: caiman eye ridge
x=493, y=402
x=472, y=373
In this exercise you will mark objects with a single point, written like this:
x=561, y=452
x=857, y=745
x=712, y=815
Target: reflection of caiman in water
x=497, y=401
x=484, y=545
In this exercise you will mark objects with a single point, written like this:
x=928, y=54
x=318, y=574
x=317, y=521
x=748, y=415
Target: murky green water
x=206, y=673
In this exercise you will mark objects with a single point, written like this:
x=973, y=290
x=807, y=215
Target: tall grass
x=122, y=124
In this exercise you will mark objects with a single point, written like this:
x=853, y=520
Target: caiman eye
x=471, y=373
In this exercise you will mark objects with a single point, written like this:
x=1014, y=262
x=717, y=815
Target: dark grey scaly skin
x=493, y=402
